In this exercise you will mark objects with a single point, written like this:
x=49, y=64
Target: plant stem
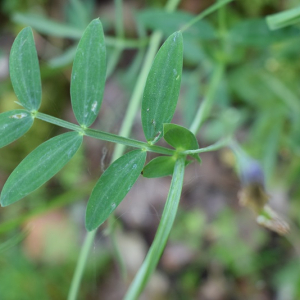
x=119, y=27
x=58, y=122
x=101, y=135
x=206, y=104
x=128, y=142
x=91, y=235
x=162, y=234
x=216, y=146
x=89, y=239
x=127, y=123
x=206, y=12
x=134, y=101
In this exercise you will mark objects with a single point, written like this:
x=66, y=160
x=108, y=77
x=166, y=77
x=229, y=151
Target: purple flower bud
x=251, y=172
x=253, y=194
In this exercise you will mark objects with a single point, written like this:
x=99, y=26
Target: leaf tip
x=96, y=22
x=177, y=35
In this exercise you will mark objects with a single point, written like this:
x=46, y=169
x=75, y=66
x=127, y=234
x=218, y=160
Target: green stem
x=101, y=135
x=89, y=239
x=73, y=292
x=172, y=203
x=162, y=234
x=218, y=145
x=58, y=122
x=111, y=219
x=206, y=12
x=128, y=121
x=127, y=141
x=222, y=28
x=206, y=104
x=119, y=18
x=134, y=101
x=80, y=11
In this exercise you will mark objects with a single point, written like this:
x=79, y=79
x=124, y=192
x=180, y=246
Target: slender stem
x=133, y=105
x=218, y=145
x=206, y=12
x=172, y=203
x=206, y=104
x=89, y=239
x=91, y=235
x=162, y=234
x=134, y=101
x=80, y=12
x=131, y=110
x=119, y=18
x=222, y=28
x=110, y=137
x=127, y=141
x=101, y=135
x=111, y=219
x=58, y=122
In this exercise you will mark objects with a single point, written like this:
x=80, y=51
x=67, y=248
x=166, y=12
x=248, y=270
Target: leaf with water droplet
x=14, y=124
x=88, y=74
x=113, y=186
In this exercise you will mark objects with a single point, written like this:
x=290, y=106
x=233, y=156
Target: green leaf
x=24, y=70
x=88, y=74
x=284, y=18
x=47, y=26
x=162, y=87
x=13, y=124
x=161, y=166
x=39, y=166
x=113, y=186
x=181, y=138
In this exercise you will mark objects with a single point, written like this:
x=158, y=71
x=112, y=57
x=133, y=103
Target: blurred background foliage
x=216, y=250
